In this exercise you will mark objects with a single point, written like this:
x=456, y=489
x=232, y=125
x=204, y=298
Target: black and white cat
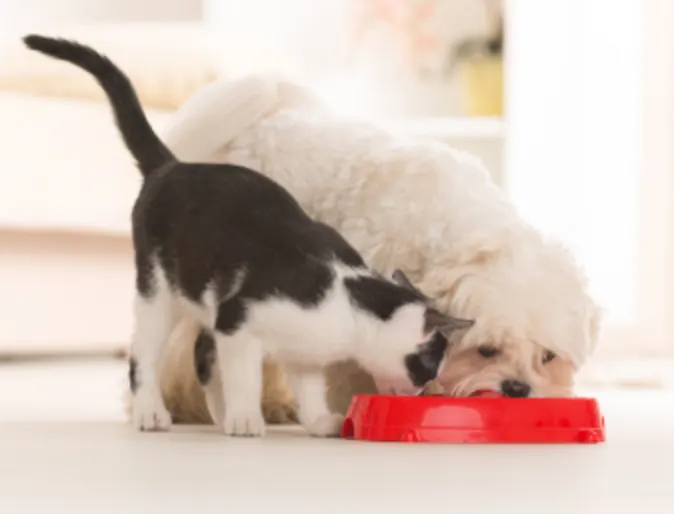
x=233, y=250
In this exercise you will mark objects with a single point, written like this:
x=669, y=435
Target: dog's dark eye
x=488, y=351
x=548, y=356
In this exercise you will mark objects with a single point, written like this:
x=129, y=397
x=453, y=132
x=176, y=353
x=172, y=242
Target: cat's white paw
x=150, y=414
x=327, y=425
x=244, y=423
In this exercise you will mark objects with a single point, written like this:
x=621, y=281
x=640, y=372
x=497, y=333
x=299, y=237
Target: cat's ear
x=436, y=321
x=401, y=279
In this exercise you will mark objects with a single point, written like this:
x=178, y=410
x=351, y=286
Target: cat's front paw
x=327, y=425
x=150, y=414
x=244, y=423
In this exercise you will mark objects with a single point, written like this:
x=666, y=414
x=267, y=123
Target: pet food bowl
x=486, y=418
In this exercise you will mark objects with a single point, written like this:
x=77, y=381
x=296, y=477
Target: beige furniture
x=66, y=189
x=67, y=184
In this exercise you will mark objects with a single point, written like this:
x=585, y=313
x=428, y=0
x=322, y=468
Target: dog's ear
x=435, y=320
x=401, y=279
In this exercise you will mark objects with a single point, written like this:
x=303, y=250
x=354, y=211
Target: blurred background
x=568, y=102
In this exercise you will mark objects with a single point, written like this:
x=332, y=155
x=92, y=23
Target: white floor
x=64, y=448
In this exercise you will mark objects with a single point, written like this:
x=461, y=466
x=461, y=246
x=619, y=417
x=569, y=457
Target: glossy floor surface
x=64, y=448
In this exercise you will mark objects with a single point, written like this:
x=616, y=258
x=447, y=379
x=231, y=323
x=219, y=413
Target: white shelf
x=453, y=127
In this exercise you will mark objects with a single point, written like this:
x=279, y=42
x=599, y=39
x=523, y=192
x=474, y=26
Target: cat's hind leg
x=154, y=319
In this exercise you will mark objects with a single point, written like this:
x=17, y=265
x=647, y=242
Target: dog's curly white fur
x=413, y=204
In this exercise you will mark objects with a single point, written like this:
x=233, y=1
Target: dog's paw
x=150, y=414
x=244, y=423
x=279, y=413
x=327, y=425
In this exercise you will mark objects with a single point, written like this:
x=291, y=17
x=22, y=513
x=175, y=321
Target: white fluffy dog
x=403, y=203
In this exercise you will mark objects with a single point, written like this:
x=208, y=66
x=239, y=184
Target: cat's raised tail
x=140, y=138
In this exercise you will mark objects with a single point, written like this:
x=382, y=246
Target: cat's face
x=410, y=346
x=410, y=349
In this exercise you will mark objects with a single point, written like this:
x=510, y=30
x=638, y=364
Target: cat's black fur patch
x=378, y=296
x=231, y=315
x=423, y=366
x=204, y=356
x=211, y=223
x=133, y=374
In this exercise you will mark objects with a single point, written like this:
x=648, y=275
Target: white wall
x=589, y=101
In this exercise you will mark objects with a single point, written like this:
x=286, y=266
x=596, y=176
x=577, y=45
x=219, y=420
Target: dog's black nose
x=515, y=388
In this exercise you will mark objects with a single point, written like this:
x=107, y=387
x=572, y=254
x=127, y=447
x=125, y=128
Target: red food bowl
x=479, y=419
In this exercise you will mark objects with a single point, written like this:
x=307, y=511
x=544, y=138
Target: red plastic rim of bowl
x=440, y=419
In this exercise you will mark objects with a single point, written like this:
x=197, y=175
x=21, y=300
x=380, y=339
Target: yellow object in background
x=482, y=84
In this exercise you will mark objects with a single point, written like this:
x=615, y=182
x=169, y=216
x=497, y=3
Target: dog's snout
x=515, y=388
